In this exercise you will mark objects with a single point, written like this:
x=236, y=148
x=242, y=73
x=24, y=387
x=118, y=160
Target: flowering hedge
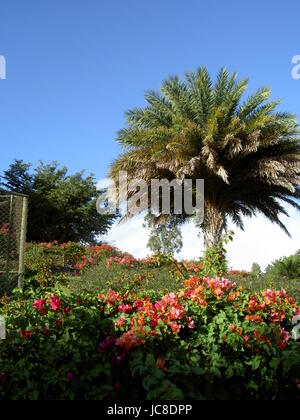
x=209, y=340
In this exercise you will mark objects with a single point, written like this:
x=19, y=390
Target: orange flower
x=232, y=327
x=160, y=363
x=175, y=327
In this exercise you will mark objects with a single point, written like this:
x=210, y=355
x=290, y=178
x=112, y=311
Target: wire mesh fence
x=13, y=224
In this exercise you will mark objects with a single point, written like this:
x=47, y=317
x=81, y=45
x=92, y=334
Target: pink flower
x=55, y=303
x=39, y=305
x=120, y=322
x=176, y=313
x=190, y=322
x=126, y=309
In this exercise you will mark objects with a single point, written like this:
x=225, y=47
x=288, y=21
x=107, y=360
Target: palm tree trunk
x=214, y=223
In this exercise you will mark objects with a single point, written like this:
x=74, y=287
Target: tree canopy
x=61, y=206
x=165, y=238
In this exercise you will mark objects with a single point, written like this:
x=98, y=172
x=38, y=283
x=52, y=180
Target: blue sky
x=74, y=67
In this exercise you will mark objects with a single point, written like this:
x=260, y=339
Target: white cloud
x=103, y=183
x=261, y=241
x=130, y=236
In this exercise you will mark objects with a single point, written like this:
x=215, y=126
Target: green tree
x=165, y=237
x=246, y=151
x=61, y=206
x=285, y=267
x=256, y=270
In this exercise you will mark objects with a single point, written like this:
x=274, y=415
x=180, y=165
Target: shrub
x=208, y=340
x=285, y=268
x=214, y=261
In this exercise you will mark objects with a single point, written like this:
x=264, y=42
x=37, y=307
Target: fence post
x=22, y=243
x=11, y=209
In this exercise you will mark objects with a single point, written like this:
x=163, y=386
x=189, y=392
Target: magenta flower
x=39, y=305
x=105, y=344
x=69, y=376
x=55, y=303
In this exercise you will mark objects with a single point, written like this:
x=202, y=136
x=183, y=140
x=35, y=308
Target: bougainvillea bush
x=209, y=340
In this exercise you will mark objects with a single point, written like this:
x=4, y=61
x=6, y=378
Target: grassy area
x=108, y=268
x=162, y=280
x=254, y=284
x=134, y=279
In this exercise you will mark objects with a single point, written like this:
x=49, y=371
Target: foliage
x=256, y=270
x=61, y=206
x=280, y=273
x=154, y=326
x=254, y=284
x=209, y=340
x=246, y=151
x=215, y=262
x=286, y=267
x=165, y=238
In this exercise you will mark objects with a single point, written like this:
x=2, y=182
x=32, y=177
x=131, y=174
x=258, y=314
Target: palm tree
x=247, y=153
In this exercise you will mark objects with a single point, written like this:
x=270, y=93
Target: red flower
x=67, y=311
x=105, y=344
x=138, y=304
x=25, y=334
x=126, y=309
x=39, y=305
x=175, y=327
x=160, y=363
x=55, y=303
x=154, y=322
x=58, y=323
